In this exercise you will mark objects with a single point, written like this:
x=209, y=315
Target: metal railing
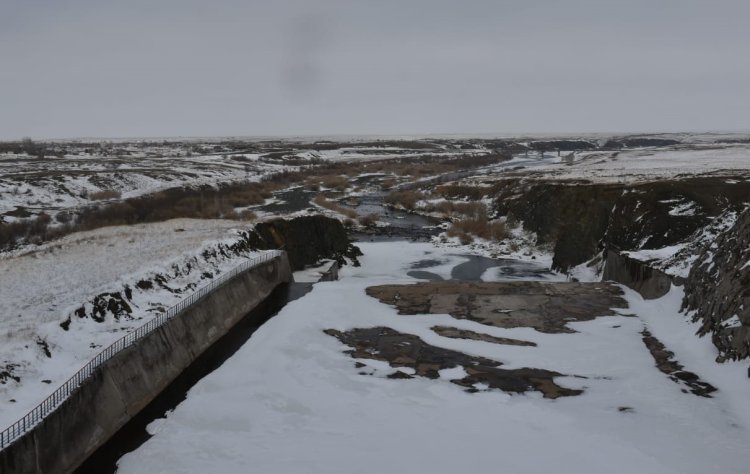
x=31, y=419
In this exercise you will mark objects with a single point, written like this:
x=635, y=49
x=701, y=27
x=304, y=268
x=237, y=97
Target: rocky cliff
x=580, y=218
x=717, y=291
x=306, y=240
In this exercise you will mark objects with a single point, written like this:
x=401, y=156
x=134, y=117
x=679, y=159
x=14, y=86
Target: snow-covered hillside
x=49, y=322
x=53, y=184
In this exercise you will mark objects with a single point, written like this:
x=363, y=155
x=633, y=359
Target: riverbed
x=297, y=398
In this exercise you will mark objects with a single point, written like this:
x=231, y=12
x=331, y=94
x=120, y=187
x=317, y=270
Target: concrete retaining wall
x=649, y=282
x=126, y=383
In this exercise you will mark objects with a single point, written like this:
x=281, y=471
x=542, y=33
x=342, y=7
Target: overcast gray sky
x=74, y=68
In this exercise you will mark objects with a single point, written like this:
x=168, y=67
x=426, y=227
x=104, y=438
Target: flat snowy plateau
x=644, y=164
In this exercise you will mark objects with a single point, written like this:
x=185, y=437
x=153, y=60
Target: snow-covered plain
x=41, y=288
x=642, y=164
x=55, y=184
x=290, y=401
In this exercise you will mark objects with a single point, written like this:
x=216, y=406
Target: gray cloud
x=228, y=67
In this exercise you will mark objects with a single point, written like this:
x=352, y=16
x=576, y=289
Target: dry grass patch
x=105, y=194
x=388, y=183
x=369, y=220
x=333, y=181
x=406, y=199
x=467, y=229
x=456, y=191
x=322, y=201
x=476, y=210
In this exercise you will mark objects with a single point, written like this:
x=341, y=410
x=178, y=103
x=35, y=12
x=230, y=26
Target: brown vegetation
x=406, y=199
x=27, y=230
x=369, y=220
x=456, y=191
x=201, y=203
x=105, y=194
x=322, y=201
x=387, y=183
x=431, y=165
x=331, y=181
x=208, y=202
x=451, y=208
x=467, y=229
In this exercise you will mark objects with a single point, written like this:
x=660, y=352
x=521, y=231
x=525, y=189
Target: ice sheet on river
x=292, y=401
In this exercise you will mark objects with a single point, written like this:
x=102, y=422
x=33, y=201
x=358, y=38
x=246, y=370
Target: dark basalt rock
x=44, y=346
x=650, y=282
x=7, y=373
x=306, y=239
x=666, y=363
x=718, y=291
x=567, y=145
x=580, y=219
x=638, y=142
x=112, y=303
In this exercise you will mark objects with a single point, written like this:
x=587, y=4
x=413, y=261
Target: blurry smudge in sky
x=305, y=42
x=73, y=68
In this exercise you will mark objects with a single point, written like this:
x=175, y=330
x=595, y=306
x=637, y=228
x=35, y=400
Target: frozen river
x=291, y=400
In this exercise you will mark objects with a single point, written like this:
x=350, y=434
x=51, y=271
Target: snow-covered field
x=652, y=163
x=381, y=153
x=291, y=401
x=52, y=184
x=42, y=288
x=84, y=175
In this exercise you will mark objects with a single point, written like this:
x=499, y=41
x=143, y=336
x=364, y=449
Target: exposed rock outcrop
x=580, y=218
x=306, y=239
x=650, y=282
x=546, y=307
x=665, y=362
x=718, y=291
x=635, y=142
x=402, y=350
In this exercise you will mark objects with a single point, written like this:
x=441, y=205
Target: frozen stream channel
x=291, y=400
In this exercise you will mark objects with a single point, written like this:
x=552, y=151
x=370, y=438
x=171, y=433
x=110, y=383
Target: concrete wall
x=649, y=282
x=125, y=384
